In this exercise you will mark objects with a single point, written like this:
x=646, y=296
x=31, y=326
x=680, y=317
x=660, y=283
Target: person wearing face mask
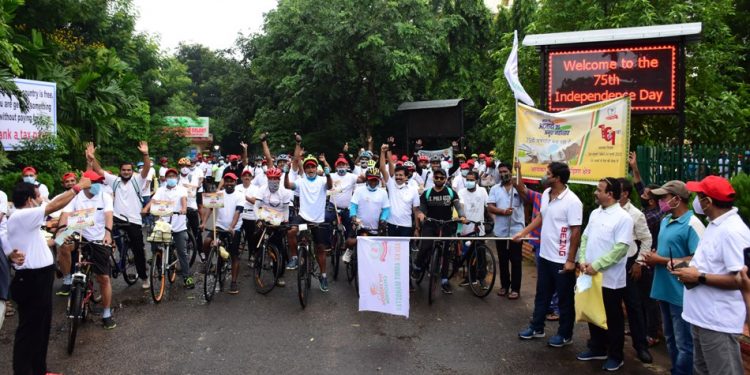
x=679, y=235
x=604, y=246
x=459, y=180
x=474, y=201
x=714, y=305
x=403, y=196
x=275, y=199
x=506, y=206
x=190, y=181
x=173, y=192
x=429, y=174
x=31, y=287
x=489, y=176
x=127, y=202
x=249, y=190
x=344, y=184
x=364, y=157
x=29, y=177
x=92, y=198
x=369, y=209
x=64, y=257
x=561, y=215
x=312, y=206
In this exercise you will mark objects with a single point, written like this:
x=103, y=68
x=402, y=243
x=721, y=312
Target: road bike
x=437, y=259
x=308, y=262
x=476, y=263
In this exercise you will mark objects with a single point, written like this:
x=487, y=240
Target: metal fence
x=659, y=164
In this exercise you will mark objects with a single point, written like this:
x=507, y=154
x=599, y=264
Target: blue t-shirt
x=506, y=226
x=681, y=235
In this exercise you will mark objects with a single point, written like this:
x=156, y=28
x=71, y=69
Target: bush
x=9, y=180
x=741, y=184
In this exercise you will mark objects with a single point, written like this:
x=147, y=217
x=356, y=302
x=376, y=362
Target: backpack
x=135, y=186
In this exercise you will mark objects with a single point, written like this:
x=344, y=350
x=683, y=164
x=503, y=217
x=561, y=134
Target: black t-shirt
x=236, y=170
x=439, y=206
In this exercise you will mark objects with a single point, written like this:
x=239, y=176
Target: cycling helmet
x=372, y=164
x=409, y=164
x=273, y=172
x=282, y=157
x=365, y=154
x=183, y=161
x=310, y=159
x=435, y=159
x=373, y=172
x=423, y=157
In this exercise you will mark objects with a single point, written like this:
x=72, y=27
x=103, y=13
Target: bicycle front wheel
x=267, y=268
x=127, y=265
x=434, y=271
x=336, y=254
x=303, y=275
x=157, y=277
x=209, y=273
x=75, y=305
x=482, y=271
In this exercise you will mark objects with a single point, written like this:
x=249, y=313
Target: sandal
x=513, y=295
x=9, y=310
x=502, y=292
x=552, y=317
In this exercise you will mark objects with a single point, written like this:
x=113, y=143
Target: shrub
x=741, y=184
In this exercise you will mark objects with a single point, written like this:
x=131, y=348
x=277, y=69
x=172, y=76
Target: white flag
x=383, y=275
x=511, y=74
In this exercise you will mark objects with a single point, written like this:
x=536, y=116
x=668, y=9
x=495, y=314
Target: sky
x=214, y=23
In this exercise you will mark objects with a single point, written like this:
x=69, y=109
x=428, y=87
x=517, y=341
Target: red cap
x=230, y=175
x=29, y=169
x=163, y=159
x=68, y=175
x=233, y=158
x=340, y=160
x=470, y=163
x=93, y=176
x=246, y=172
x=404, y=158
x=313, y=162
x=394, y=157
x=482, y=156
x=172, y=170
x=399, y=163
x=715, y=187
x=465, y=166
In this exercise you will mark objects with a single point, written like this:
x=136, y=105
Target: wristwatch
x=702, y=278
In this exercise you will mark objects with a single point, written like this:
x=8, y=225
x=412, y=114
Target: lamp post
x=216, y=152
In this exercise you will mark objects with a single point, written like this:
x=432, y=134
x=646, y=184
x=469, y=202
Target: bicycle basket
x=162, y=232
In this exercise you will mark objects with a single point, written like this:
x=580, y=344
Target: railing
x=659, y=164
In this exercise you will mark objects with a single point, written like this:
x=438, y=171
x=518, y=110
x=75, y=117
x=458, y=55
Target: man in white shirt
x=190, y=179
x=344, y=183
x=369, y=209
x=273, y=200
x=404, y=197
x=127, y=188
x=604, y=246
x=229, y=224
x=312, y=206
x=163, y=168
x=712, y=303
x=560, y=217
x=474, y=201
x=459, y=179
x=248, y=216
x=173, y=192
x=29, y=176
x=31, y=287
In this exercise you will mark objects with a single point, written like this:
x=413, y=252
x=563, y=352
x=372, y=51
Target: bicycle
x=436, y=259
x=308, y=261
x=81, y=292
x=338, y=238
x=124, y=262
x=477, y=264
x=216, y=267
x=163, y=265
x=268, y=259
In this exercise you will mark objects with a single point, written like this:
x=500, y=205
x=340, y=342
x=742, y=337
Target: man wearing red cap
x=93, y=198
x=459, y=180
x=29, y=176
x=64, y=258
x=344, y=183
x=712, y=302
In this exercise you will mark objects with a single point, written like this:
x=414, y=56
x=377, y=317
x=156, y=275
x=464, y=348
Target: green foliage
x=741, y=185
x=9, y=180
x=47, y=154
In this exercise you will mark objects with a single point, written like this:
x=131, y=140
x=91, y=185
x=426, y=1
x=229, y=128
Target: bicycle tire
x=302, y=275
x=267, y=265
x=222, y=270
x=483, y=287
x=171, y=268
x=127, y=266
x=434, y=271
x=191, y=248
x=355, y=269
x=336, y=254
x=454, y=259
x=209, y=274
x=75, y=302
x=350, y=272
x=157, y=277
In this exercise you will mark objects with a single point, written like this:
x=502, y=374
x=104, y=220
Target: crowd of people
x=661, y=267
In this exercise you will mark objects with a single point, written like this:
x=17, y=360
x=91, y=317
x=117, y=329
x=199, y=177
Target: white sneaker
x=146, y=284
x=347, y=257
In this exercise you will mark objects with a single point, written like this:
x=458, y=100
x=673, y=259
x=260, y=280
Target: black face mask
x=229, y=190
x=234, y=163
x=644, y=203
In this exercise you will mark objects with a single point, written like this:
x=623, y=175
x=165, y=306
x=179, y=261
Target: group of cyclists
x=370, y=193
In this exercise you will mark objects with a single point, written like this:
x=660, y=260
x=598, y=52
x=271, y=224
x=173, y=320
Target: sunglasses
x=436, y=178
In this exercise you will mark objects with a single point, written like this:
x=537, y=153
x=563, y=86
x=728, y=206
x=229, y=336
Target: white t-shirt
x=163, y=172
x=403, y=199
x=127, y=202
x=146, y=188
x=720, y=251
x=557, y=218
x=3, y=203
x=197, y=174
x=473, y=203
x=459, y=182
x=312, y=198
x=190, y=184
x=343, y=189
x=606, y=228
x=232, y=203
x=248, y=209
x=102, y=203
x=277, y=202
x=175, y=195
x=370, y=205
x=24, y=235
x=43, y=191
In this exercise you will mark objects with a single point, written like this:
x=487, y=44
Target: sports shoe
x=558, y=341
x=465, y=283
x=347, y=257
x=644, y=356
x=324, y=284
x=292, y=264
x=529, y=333
x=446, y=287
x=613, y=364
x=590, y=356
x=189, y=283
x=280, y=282
x=64, y=290
x=146, y=284
x=109, y=323
x=233, y=289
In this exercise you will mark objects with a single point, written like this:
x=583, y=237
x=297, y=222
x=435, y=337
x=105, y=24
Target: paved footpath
x=251, y=334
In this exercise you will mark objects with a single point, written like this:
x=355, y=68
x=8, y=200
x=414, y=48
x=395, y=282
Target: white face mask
x=184, y=170
x=697, y=206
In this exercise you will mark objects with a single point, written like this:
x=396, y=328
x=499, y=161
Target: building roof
x=428, y=104
x=689, y=30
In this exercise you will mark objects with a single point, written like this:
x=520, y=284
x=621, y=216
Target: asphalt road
x=251, y=333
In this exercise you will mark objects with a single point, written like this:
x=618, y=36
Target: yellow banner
x=593, y=140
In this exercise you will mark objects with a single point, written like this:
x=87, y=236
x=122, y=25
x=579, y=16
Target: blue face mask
x=311, y=178
x=29, y=179
x=341, y=171
x=370, y=188
x=171, y=182
x=471, y=185
x=95, y=189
